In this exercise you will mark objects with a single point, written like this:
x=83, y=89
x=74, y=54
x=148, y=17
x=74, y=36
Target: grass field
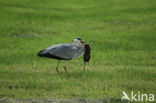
x=122, y=34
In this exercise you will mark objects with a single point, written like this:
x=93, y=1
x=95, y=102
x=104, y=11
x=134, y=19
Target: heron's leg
x=65, y=68
x=84, y=66
x=57, y=66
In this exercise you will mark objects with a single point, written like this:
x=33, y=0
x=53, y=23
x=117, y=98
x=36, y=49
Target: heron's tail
x=41, y=53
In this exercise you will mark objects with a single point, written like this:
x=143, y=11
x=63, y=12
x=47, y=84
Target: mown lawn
x=122, y=34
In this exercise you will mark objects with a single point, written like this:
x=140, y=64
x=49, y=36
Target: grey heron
x=64, y=51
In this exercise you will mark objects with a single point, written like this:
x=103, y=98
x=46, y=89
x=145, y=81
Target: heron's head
x=78, y=41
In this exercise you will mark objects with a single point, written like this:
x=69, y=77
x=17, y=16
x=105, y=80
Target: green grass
x=121, y=33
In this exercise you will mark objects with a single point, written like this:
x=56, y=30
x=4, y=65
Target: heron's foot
x=57, y=70
x=65, y=69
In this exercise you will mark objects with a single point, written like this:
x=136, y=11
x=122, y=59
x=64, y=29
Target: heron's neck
x=77, y=44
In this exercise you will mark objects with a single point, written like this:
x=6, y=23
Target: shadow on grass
x=85, y=74
x=51, y=100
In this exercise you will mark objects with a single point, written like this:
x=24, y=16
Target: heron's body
x=62, y=51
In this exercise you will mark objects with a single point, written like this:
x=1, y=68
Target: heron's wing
x=66, y=51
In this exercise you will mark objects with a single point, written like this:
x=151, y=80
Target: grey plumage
x=65, y=51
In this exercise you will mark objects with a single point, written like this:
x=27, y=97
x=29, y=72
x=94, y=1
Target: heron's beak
x=83, y=43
